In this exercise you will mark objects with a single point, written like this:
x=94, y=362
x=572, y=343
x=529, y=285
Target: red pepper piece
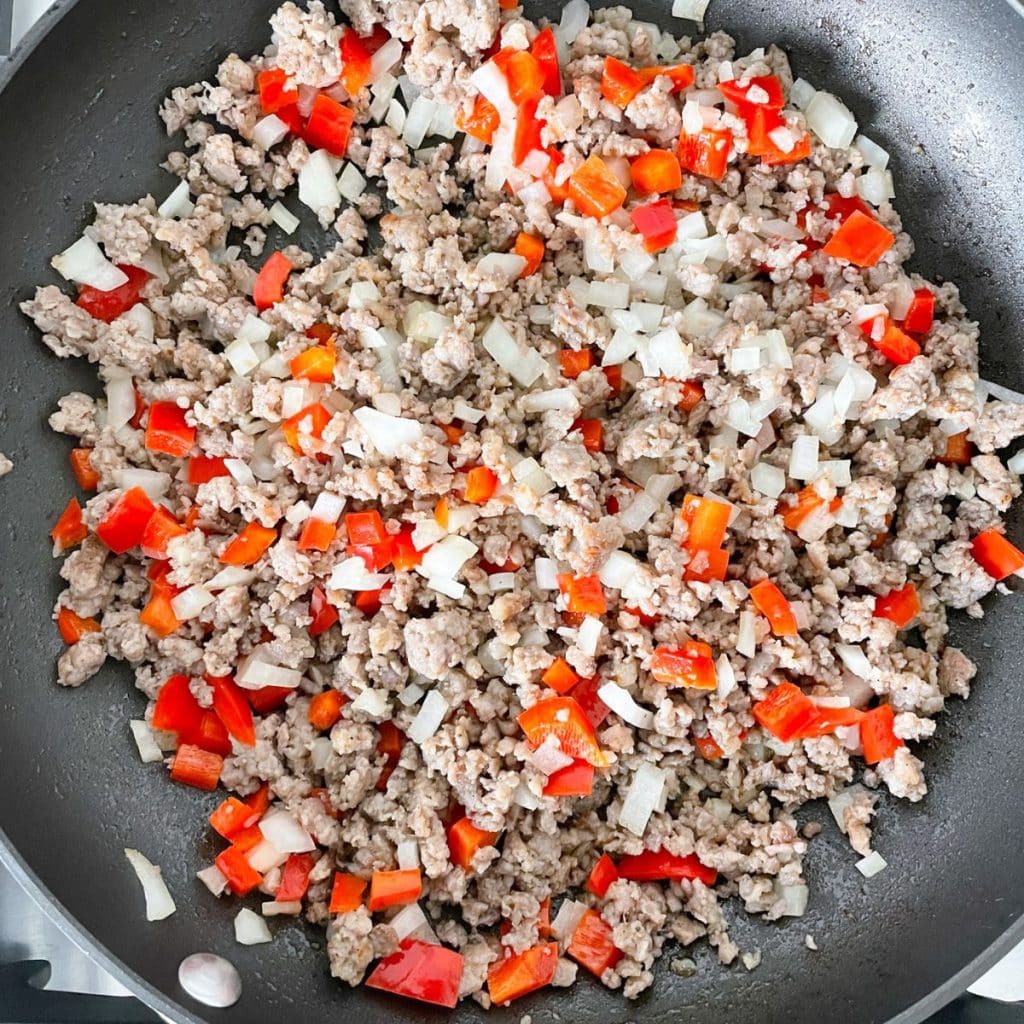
x=108, y=306
x=122, y=527
x=420, y=970
x=661, y=866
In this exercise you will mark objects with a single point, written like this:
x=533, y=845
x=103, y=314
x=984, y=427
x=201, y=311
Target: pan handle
x=22, y=1001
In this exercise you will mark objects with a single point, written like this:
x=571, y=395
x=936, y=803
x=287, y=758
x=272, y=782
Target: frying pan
x=939, y=83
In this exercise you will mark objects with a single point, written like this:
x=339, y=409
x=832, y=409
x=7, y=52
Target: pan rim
x=174, y=1010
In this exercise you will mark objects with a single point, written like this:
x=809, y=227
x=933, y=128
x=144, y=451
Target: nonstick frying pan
x=940, y=83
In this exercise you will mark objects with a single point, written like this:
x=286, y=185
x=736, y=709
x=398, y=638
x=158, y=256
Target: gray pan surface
x=940, y=84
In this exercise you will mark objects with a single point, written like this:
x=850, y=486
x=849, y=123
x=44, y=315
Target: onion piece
x=154, y=483
x=638, y=513
x=373, y=703
x=178, y=204
x=210, y=979
x=746, y=636
x=149, y=751
x=831, y=120
x=254, y=673
x=407, y=854
x=411, y=695
x=575, y=17
x=281, y=829
x=287, y=908
x=524, y=797
x=691, y=10
x=411, y=922
x=726, y=676
x=801, y=94
x=803, y=458
x=589, y=635
x=871, y=865
x=159, y=903
x=841, y=801
x=567, y=920
x=622, y=703
x=190, y=602
x=318, y=186
x=320, y=752
x=1000, y=392
x=642, y=798
x=213, y=879
x=618, y=570
x=231, y=576
x=385, y=58
x=501, y=581
x=463, y=411
x=523, y=364
x=417, y=121
x=794, y=899
x=265, y=856
x=546, y=573
x=267, y=133
x=250, y=928
x=284, y=218
x=447, y=557
x=429, y=718
x=506, y=266
x=549, y=757
x=767, y=480
x=854, y=658
x=388, y=434
x=395, y=117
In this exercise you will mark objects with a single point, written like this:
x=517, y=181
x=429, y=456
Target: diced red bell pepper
x=390, y=744
x=420, y=970
x=249, y=546
x=329, y=125
x=347, y=893
x=860, y=240
x=786, y=712
x=558, y=190
x=996, y=555
x=317, y=535
x=70, y=529
x=620, y=83
x=270, y=281
x=738, y=92
x=122, y=527
x=325, y=709
x=657, y=223
x=594, y=188
x=593, y=434
x=921, y=314
x=595, y=711
x=959, y=450
x=233, y=709
x=896, y=345
x=81, y=465
x=376, y=556
x=559, y=676
x=108, y=306
x=708, y=747
x=235, y=867
x=591, y=944
x=481, y=122
x=368, y=601
x=523, y=73
x=365, y=528
x=204, y=468
x=705, y=566
x=827, y=720
x=521, y=973
x=161, y=529
x=315, y=364
x=305, y=429
x=583, y=594
x=268, y=698
x=196, y=767
x=212, y=736
x=772, y=604
x=453, y=434
x=481, y=483
x=167, y=431
x=760, y=125
x=355, y=62
x=613, y=375
x=274, y=90
x=706, y=153
x=545, y=52
x=576, y=779
x=176, y=709
x=73, y=627
x=531, y=248
x=231, y=816
x=465, y=840
x=295, y=877
x=877, y=736
x=662, y=866
x=682, y=76
x=655, y=172
x=564, y=719
x=573, y=362
x=527, y=131
x=690, y=665
x=707, y=520
x=394, y=888
x=158, y=615
x=602, y=875
x=807, y=501
x=900, y=606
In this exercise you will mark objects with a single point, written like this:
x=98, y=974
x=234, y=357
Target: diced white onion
x=699, y=320
x=873, y=153
x=385, y=58
x=567, y=920
x=320, y=752
x=691, y=10
x=876, y=187
x=388, y=434
x=746, y=637
x=318, y=186
x=523, y=364
x=178, y=204
x=281, y=829
x=265, y=856
x=794, y=899
x=841, y=801
x=744, y=359
x=635, y=263
x=501, y=581
x=190, y=602
x=411, y=922
x=250, y=928
x=638, y=513
x=768, y=480
x=726, y=676
x=543, y=401
x=408, y=854
x=213, y=879
x=507, y=266
x=159, y=903
x=549, y=757
x=352, y=574
x=670, y=353
x=328, y=507
x=622, y=703
x=284, y=218
x=447, y=557
x=120, y=392
x=622, y=346
x=546, y=573
x=642, y=798
x=854, y=658
x=373, y=703
x=231, y=576
x=463, y=411
x=254, y=674
x=801, y=94
x=524, y=797
x=836, y=470
x=429, y=717
x=153, y=482
x=287, y=908
x=149, y=751
x=619, y=568
x=589, y=635
x=417, y=121
x=395, y=117
x=803, y=458
x=411, y=695
x=269, y=131
x=240, y=472
x=351, y=183
x=575, y=16
x=871, y=865
x=831, y=120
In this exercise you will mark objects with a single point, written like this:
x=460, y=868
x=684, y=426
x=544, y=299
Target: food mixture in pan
x=521, y=564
